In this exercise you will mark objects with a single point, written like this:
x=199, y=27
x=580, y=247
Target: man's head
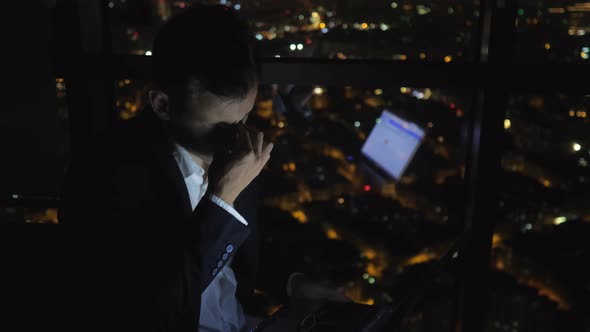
x=206, y=76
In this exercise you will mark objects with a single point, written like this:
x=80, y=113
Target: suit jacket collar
x=162, y=148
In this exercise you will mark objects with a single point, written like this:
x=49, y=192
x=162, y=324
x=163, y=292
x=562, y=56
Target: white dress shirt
x=220, y=310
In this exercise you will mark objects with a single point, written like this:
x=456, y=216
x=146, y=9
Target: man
x=182, y=175
x=157, y=170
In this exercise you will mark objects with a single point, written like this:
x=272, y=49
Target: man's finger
x=259, y=143
x=245, y=134
x=267, y=149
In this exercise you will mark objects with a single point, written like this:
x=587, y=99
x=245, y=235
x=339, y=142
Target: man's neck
x=202, y=159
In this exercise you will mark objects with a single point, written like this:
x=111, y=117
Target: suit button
x=229, y=248
x=219, y=263
x=225, y=256
x=214, y=272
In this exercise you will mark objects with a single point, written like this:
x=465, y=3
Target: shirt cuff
x=215, y=199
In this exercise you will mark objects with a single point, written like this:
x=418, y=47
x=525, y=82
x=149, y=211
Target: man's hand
x=244, y=165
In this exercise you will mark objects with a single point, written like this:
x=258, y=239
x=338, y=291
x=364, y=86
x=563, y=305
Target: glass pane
x=552, y=31
x=391, y=30
x=328, y=212
x=12, y=211
x=541, y=239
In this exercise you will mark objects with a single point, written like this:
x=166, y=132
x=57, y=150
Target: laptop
x=391, y=146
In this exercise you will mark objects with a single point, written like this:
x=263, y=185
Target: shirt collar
x=186, y=163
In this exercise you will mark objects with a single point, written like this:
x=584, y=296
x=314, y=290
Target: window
x=39, y=206
x=540, y=240
x=326, y=212
x=379, y=237
x=442, y=31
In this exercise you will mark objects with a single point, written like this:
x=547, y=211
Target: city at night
x=332, y=165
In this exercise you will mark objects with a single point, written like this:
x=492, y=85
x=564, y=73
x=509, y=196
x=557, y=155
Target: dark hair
x=207, y=45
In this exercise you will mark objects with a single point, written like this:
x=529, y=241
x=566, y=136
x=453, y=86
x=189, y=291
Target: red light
x=182, y=5
x=367, y=187
x=452, y=106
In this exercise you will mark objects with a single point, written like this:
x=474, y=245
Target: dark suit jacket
x=146, y=256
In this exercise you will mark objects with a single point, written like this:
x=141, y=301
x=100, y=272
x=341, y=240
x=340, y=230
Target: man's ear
x=160, y=104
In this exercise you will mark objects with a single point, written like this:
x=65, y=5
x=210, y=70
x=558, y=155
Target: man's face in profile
x=208, y=122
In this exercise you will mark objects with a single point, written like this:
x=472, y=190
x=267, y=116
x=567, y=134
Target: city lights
x=318, y=91
x=394, y=5
x=559, y=220
x=422, y=10
x=576, y=146
x=507, y=123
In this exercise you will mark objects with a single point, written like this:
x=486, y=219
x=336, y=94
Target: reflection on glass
x=392, y=30
x=322, y=212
